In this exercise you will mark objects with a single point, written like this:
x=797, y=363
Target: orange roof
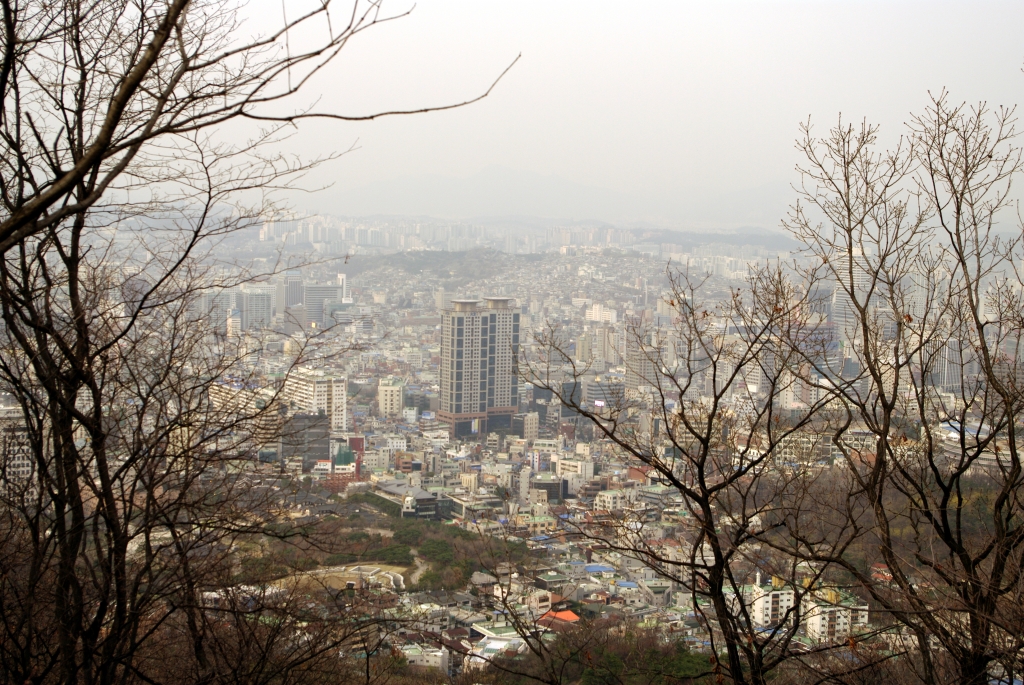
x=566, y=616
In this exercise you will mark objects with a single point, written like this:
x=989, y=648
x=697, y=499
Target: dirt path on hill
x=421, y=568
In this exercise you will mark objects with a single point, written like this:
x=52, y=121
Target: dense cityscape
x=510, y=344
x=400, y=390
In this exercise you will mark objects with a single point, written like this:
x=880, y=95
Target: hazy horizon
x=682, y=115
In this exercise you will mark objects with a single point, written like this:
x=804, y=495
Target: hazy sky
x=678, y=113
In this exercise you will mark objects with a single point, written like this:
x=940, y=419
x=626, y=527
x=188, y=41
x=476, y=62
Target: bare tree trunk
x=118, y=541
x=931, y=330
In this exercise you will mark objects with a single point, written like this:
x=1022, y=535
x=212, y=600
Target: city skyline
x=511, y=342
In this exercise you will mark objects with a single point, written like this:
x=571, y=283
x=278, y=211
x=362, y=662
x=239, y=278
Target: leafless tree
x=101, y=98
x=704, y=407
x=127, y=497
x=847, y=421
x=927, y=309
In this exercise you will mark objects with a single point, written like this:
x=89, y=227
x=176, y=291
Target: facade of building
x=390, y=394
x=314, y=391
x=314, y=297
x=215, y=306
x=769, y=603
x=585, y=348
x=553, y=486
x=479, y=391
x=854, y=291
x=421, y=657
x=601, y=314
x=530, y=427
x=17, y=463
x=832, y=615
x=259, y=305
x=640, y=369
x=582, y=468
x=294, y=288
x=611, y=500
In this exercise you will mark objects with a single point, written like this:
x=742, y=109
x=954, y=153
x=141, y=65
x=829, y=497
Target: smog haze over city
x=679, y=114
x=539, y=343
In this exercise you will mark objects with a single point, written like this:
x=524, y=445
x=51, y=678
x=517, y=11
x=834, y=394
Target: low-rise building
x=611, y=500
x=832, y=615
x=769, y=603
x=427, y=658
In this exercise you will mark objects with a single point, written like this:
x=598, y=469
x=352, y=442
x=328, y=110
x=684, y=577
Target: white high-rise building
x=315, y=391
x=234, y=323
x=259, y=304
x=531, y=426
x=583, y=468
x=443, y=299
x=216, y=305
x=601, y=314
x=524, y=484
x=585, y=348
x=851, y=293
x=390, y=396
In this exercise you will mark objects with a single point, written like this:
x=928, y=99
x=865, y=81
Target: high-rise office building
x=443, y=299
x=295, y=319
x=526, y=426
x=856, y=283
x=294, y=290
x=316, y=296
x=585, y=348
x=641, y=370
x=259, y=305
x=16, y=458
x=479, y=391
x=289, y=291
x=215, y=306
x=234, y=323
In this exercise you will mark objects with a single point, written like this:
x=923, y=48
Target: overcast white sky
x=678, y=113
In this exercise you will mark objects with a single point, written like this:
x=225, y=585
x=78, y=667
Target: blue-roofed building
x=600, y=570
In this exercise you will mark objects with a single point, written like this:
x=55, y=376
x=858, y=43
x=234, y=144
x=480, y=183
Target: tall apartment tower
x=640, y=368
x=390, y=396
x=479, y=391
x=443, y=299
x=314, y=391
x=216, y=306
x=585, y=347
x=844, y=312
x=259, y=305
